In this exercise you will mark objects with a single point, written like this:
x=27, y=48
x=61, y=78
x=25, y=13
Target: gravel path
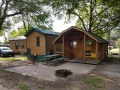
x=3, y=88
x=112, y=70
x=47, y=72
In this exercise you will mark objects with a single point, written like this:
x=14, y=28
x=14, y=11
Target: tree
x=96, y=16
x=13, y=34
x=31, y=12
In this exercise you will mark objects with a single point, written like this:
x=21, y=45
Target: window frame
x=16, y=45
x=73, y=44
x=38, y=41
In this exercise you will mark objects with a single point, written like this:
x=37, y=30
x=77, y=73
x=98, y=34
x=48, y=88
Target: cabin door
x=28, y=52
x=74, y=50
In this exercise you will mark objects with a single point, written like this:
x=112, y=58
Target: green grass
x=13, y=58
x=94, y=82
x=23, y=87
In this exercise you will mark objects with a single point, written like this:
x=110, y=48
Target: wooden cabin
x=18, y=44
x=39, y=42
x=78, y=45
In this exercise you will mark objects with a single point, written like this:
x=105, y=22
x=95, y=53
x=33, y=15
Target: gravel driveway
x=112, y=70
x=47, y=72
x=3, y=88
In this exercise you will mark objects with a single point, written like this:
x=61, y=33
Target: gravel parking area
x=46, y=72
x=3, y=88
x=112, y=70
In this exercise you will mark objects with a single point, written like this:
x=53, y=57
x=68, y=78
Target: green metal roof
x=46, y=32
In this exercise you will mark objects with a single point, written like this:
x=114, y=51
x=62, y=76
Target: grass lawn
x=23, y=58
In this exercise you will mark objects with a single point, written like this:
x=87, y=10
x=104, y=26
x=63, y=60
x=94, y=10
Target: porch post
x=54, y=48
x=107, y=49
x=63, y=45
x=84, y=47
x=96, y=51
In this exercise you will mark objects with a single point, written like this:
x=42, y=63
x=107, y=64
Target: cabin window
x=21, y=45
x=16, y=44
x=38, y=40
x=73, y=44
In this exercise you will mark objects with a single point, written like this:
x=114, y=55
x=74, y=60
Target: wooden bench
x=58, y=59
x=44, y=61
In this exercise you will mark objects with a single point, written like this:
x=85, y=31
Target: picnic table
x=52, y=58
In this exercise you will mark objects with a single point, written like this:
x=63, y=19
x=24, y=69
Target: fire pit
x=63, y=72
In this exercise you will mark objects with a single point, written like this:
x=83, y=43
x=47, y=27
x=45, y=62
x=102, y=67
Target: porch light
x=89, y=42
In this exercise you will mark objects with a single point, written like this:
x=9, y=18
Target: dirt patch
x=9, y=64
x=75, y=81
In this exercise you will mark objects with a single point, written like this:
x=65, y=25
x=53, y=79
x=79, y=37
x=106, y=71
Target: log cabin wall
x=31, y=43
x=103, y=48
x=83, y=50
x=99, y=54
x=74, y=45
x=49, y=45
x=21, y=46
x=90, y=48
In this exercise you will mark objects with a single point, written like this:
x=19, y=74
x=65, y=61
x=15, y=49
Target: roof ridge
x=43, y=31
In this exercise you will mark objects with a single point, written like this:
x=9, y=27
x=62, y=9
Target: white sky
x=58, y=26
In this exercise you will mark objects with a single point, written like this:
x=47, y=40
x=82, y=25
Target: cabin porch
x=76, y=46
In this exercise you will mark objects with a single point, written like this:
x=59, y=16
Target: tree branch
x=16, y=13
x=2, y=3
x=6, y=7
x=80, y=20
x=100, y=12
x=90, y=18
x=97, y=24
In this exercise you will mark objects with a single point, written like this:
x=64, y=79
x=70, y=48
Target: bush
x=108, y=59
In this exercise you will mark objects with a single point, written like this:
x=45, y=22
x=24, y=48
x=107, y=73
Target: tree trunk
x=1, y=22
x=91, y=11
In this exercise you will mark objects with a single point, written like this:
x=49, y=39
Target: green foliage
x=1, y=32
x=23, y=87
x=98, y=16
x=108, y=59
x=115, y=34
x=13, y=58
x=22, y=31
x=31, y=12
x=13, y=34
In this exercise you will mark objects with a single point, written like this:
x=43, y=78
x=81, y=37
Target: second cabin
x=39, y=42
x=78, y=45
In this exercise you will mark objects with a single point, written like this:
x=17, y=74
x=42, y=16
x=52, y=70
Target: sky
x=58, y=26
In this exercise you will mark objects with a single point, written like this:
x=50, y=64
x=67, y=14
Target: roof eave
x=76, y=29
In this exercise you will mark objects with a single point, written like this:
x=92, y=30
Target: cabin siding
x=90, y=48
x=31, y=43
x=49, y=45
x=19, y=50
x=74, y=52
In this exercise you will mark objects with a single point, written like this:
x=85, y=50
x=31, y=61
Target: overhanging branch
x=17, y=13
x=80, y=20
